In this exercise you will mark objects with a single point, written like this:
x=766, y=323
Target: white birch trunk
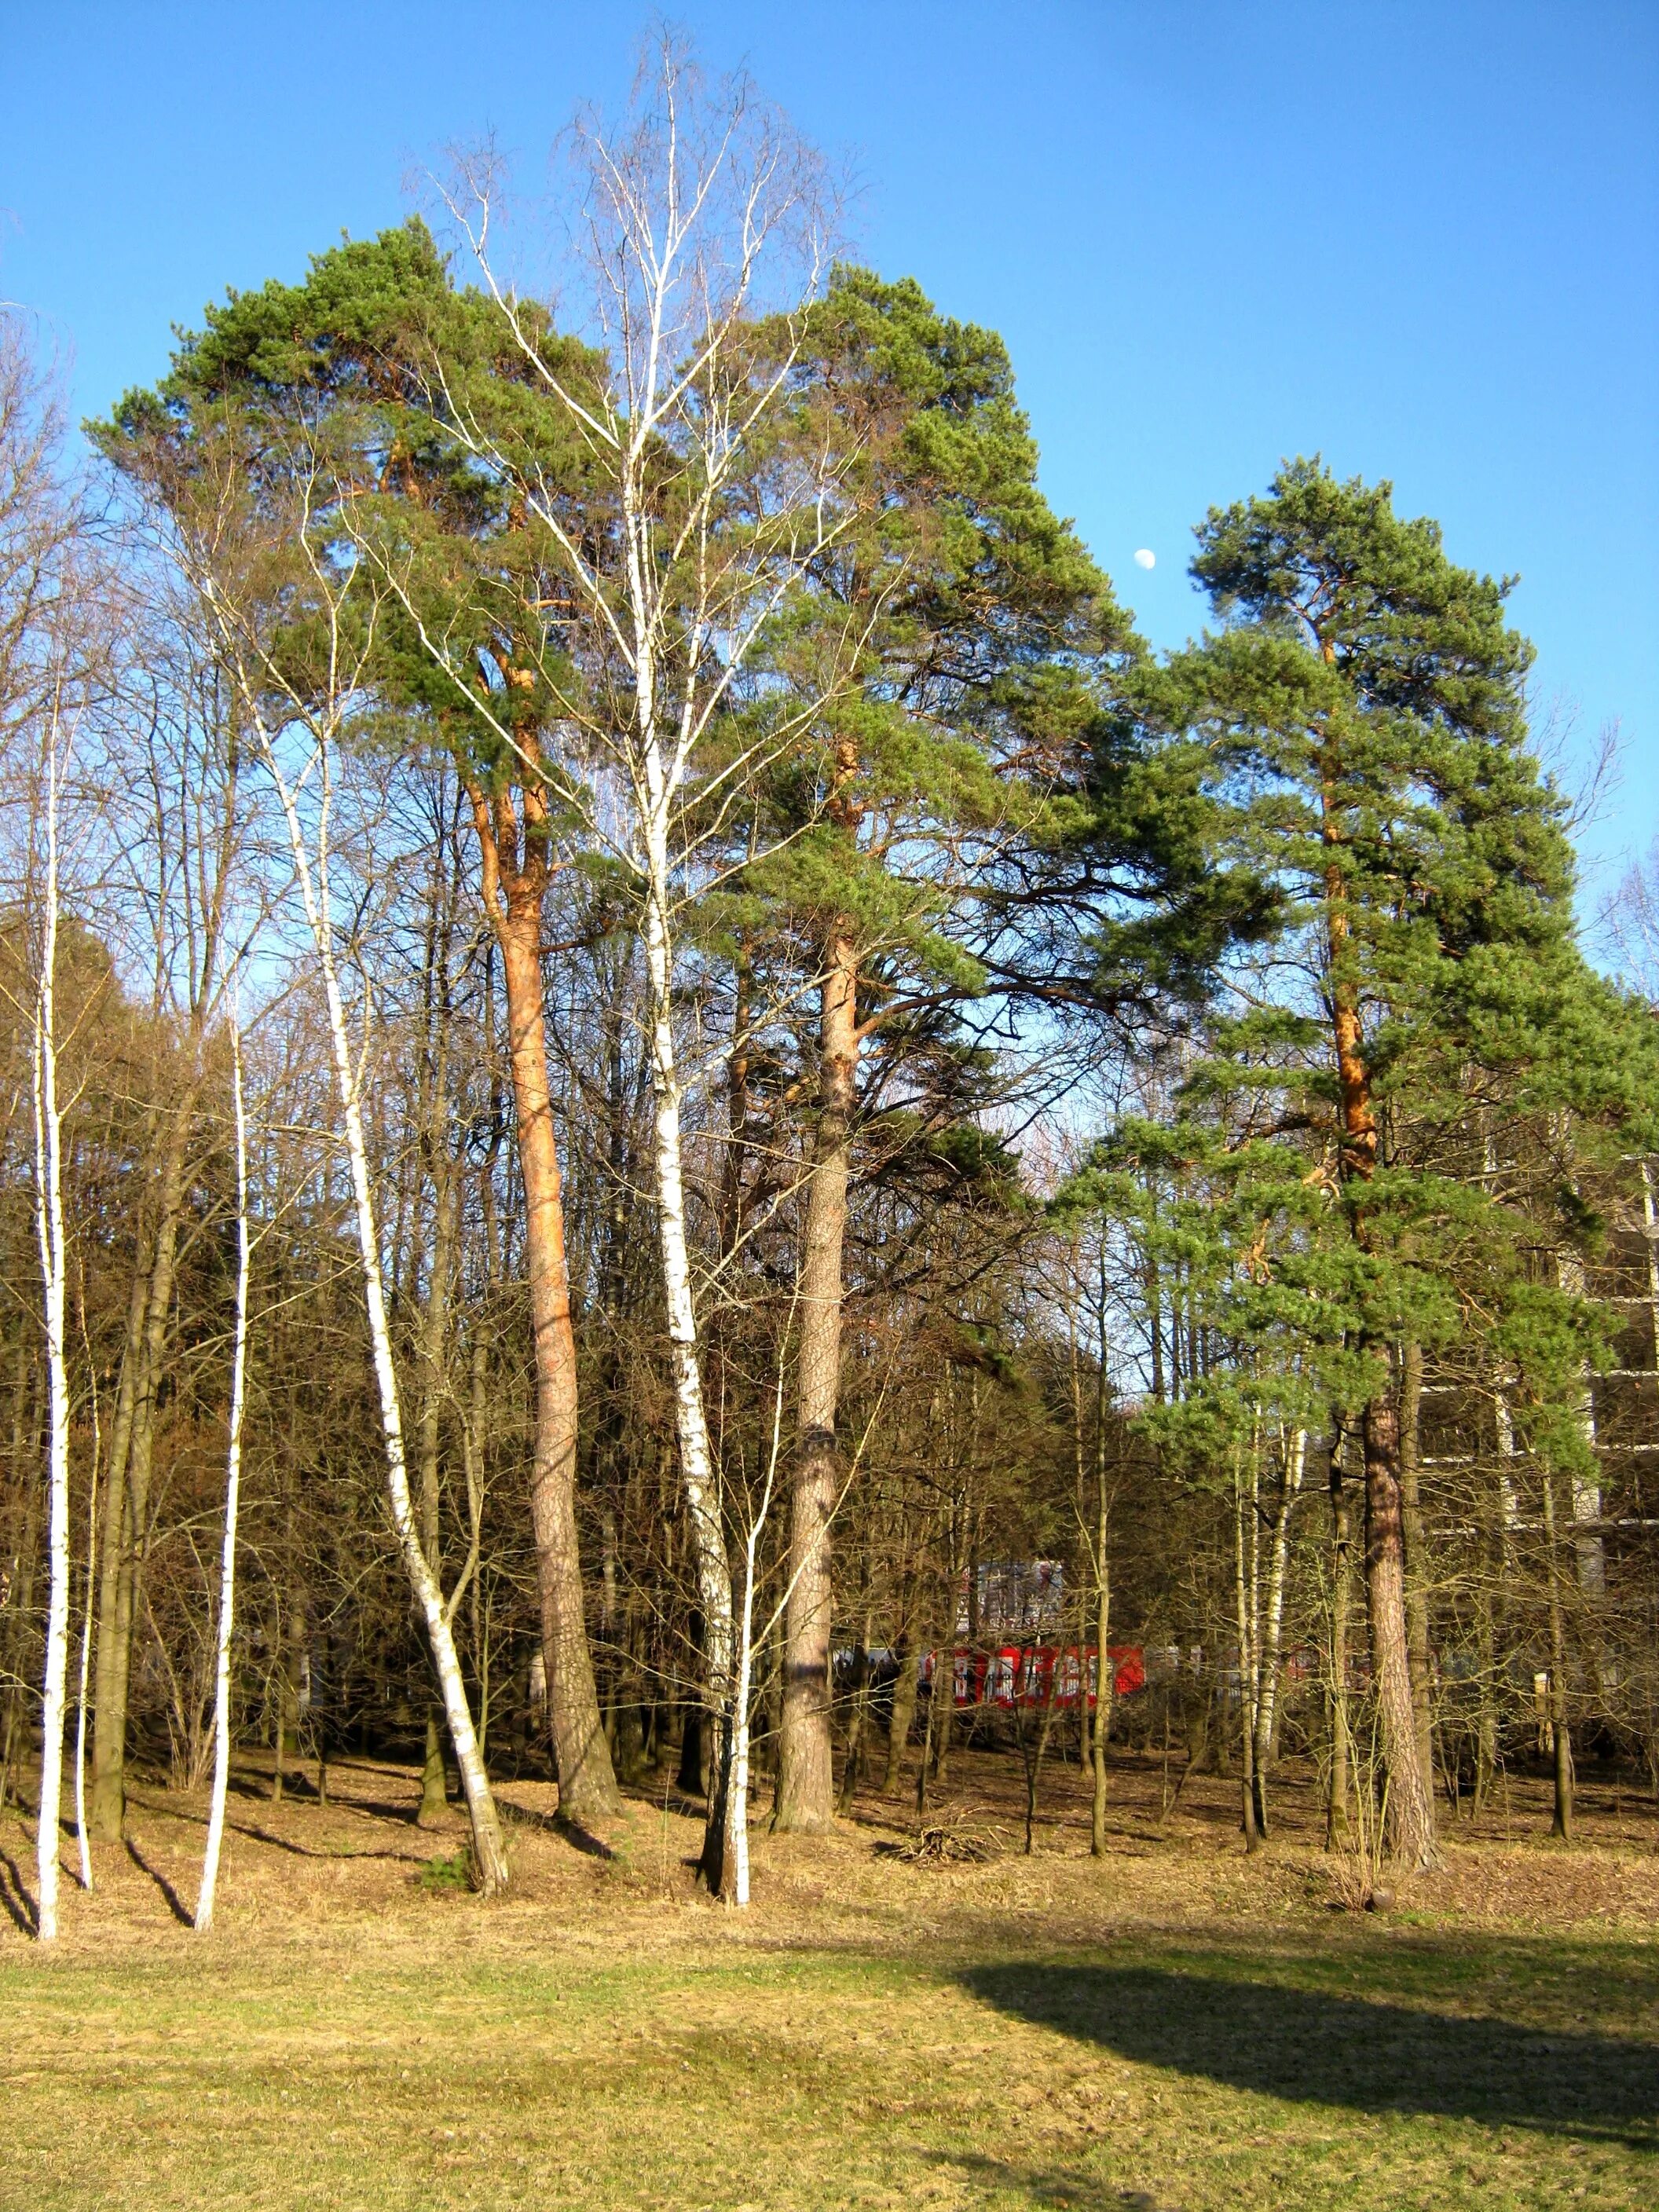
x=729, y=1797
x=489, y=1856
x=49, y=1226
x=233, y=1494
x=1295, y=1463
x=83, y=1843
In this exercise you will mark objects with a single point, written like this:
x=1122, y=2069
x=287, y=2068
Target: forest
x=676, y=1123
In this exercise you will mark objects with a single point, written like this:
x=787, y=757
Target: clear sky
x=1421, y=239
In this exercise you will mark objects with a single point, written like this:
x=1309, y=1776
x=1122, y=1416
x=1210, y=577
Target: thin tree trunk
x=1296, y=1450
x=204, y=1901
x=806, y=1775
x=1336, y=1812
x=1105, y=1681
x=109, y=1741
x=434, y=1333
x=903, y=1713
x=489, y=1856
x=49, y=1225
x=137, y=1459
x=1560, y=1734
x=1416, y=1563
x=82, y=1840
x=1246, y=1663
x=852, y=1772
x=21, y=1610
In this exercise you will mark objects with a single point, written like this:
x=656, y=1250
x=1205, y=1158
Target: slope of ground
x=1173, y=2026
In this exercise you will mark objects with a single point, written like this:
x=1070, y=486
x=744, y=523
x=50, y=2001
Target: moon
x=1146, y=559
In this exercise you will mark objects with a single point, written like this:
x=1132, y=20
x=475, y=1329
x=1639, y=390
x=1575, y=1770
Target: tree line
x=643, y=1038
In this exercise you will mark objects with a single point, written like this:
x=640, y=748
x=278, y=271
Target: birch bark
x=204, y=1902
x=49, y=1229
x=488, y=1853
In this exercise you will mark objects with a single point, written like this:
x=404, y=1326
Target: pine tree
x=1364, y=712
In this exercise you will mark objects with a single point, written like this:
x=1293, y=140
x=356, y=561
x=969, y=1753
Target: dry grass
x=1174, y=2027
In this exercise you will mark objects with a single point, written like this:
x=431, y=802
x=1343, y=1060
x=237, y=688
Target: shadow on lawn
x=1069, y=2189
x=18, y=1900
x=176, y=1905
x=1310, y=2048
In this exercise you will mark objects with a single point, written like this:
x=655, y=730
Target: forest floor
x=1172, y=2026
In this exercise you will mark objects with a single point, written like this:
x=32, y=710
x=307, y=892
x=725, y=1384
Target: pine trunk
x=806, y=1773
x=587, y=1783
x=1410, y=1808
x=1336, y=1809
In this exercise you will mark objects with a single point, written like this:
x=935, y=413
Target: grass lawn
x=1172, y=2028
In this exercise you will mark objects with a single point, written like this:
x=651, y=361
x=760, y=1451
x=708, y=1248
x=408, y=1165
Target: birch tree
x=226, y=1615
x=264, y=581
x=696, y=217
x=54, y=1274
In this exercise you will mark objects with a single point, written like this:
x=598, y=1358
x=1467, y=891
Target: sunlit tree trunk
x=1341, y=1770
x=698, y=1484
x=54, y=1268
x=1295, y=1457
x=806, y=1779
x=489, y=1853
x=1410, y=1810
x=1244, y=1625
x=515, y=875
x=210, y=1856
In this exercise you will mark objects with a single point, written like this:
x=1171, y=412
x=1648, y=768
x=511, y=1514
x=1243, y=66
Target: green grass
x=470, y=2058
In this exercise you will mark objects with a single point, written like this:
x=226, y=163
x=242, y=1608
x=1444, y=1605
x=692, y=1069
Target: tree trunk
x=1295, y=1449
x=131, y=1459
x=204, y=1901
x=1410, y=1806
x=488, y=1853
x=697, y=1475
x=1105, y=1679
x=1336, y=1811
x=852, y=1772
x=1246, y=1667
x=1560, y=1734
x=109, y=1742
x=903, y=1713
x=1417, y=1558
x=587, y=1783
x=806, y=1775
x=54, y=1270
x=435, y=1331
x=15, y=1617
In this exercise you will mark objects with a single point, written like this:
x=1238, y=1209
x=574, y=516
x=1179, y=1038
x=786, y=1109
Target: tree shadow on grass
x=316, y=1852
x=1306, y=2047
x=555, y=1824
x=17, y=1897
x=176, y=1902
x=1066, y=2189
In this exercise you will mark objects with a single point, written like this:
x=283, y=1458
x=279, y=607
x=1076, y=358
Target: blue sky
x=1423, y=240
